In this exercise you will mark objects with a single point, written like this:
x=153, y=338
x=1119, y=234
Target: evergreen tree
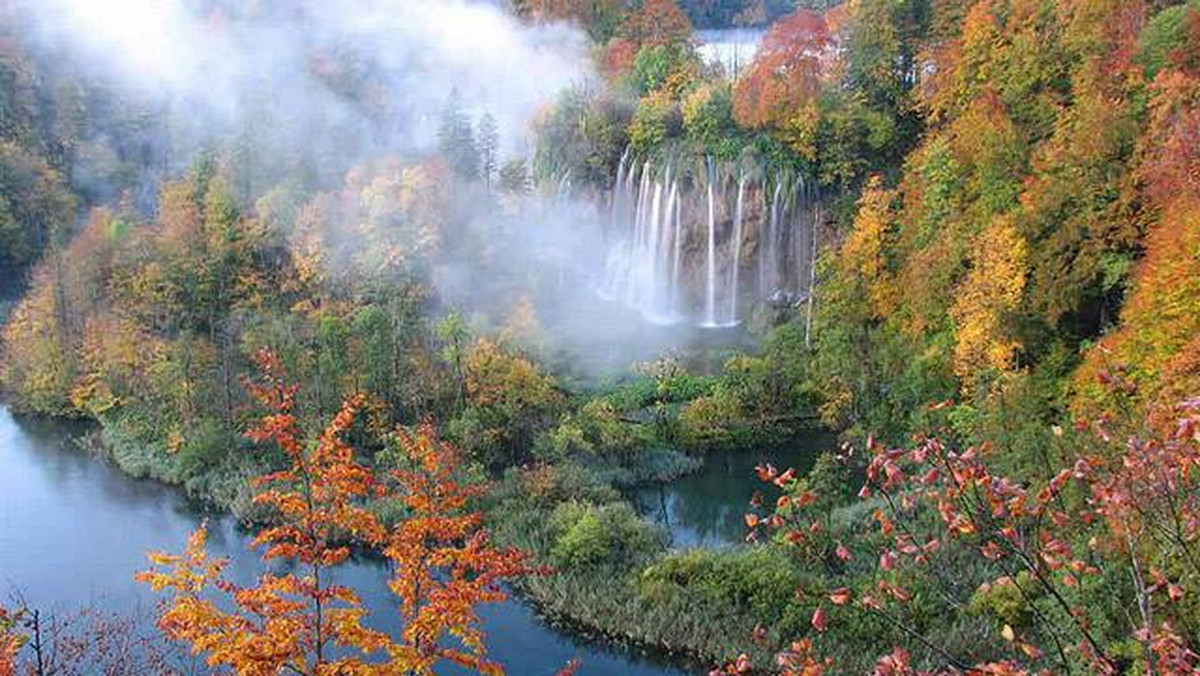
x=456, y=139
x=514, y=178
x=489, y=144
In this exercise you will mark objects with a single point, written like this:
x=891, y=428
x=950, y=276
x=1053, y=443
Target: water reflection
x=707, y=509
x=73, y=531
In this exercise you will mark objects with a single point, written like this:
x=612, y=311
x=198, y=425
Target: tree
x=455, y=334
x=11, y=640
x=489, y=145
x=781, y=86
x=445, y=563
x=36, y=209
x=456, y=139
x=990, y=293
x=508, y=402
x=1113, y=521
x=514, y=178
x=601, y=18
x=657, y=22
x=301, y=623
x=292, y=622
x=655, y=119
x=669, y=67
x=708, y=122
x=1156, y=340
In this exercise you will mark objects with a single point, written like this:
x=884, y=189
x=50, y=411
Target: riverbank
x=74, y=530
x=609, y=557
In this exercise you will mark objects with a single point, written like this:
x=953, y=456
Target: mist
x=221, y=65
x=310, y=89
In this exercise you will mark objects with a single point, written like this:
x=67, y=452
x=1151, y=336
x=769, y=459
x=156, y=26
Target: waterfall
x=637, y=266
x=710, y=295
x=736, y=261
x=812, y=275
x=768, y=259
x=677, y=247
x=615, y=204
x=671, y=260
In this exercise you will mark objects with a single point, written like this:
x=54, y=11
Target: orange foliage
x=617, y=57
x=1187, y=57
x=291, y=622
x=300, y=623
x=786, y=74
x=10, y=642
x=445, y=564
x=657, y=22
x=1159, y=324
x=991, y=292
x=864, y=253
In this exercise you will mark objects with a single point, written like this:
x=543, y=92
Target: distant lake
x=731, y=48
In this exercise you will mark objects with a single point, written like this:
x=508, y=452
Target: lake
x=74, y=530
x=708, y=508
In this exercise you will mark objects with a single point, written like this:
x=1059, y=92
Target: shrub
x=611, y=534
x=715, y=581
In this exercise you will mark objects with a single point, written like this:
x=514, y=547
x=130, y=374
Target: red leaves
x=787, y=71
x=1133, y=499
x=842, y=553
x=895, y=663
x=819, y=618
x=887, y=560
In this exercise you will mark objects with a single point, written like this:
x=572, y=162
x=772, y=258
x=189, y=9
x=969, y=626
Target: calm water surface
x=707, y=509
x=73, y=530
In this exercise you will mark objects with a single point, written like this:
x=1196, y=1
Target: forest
x=730, y=336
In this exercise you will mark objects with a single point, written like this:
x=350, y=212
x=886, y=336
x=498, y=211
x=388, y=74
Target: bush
x=1163, y=34
x=204, y=446
x=655, y=120
x=708, y=122
x=611, y=534
x=708, y=422
x=597, y=429
x=549, y=485
x=670, y=67
x=746, y=579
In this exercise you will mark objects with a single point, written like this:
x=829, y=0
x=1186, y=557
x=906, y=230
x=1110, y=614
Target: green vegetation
x=1010, y=244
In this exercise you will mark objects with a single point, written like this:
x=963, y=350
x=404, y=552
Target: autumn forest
x=599, y=337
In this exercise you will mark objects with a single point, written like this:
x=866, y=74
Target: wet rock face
x=708, y=244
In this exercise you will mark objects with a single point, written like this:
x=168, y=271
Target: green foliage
x=708, y=122
x=205, y=446
x=752, y=579
x=664, y=67
x=596, y=428
x=1165, y=32
x=1004, y=602
x=711, y=421
x=456, y=140
x=584, y=135
x=36, y=208
x=656, y=119
x=591, y=535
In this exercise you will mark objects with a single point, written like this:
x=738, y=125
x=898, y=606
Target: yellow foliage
x=991, y=291
x=863, y=252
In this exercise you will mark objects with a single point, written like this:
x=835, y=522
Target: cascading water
x=735, y=263
x=636, y=268
x=677, y=248
x=710, y=287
